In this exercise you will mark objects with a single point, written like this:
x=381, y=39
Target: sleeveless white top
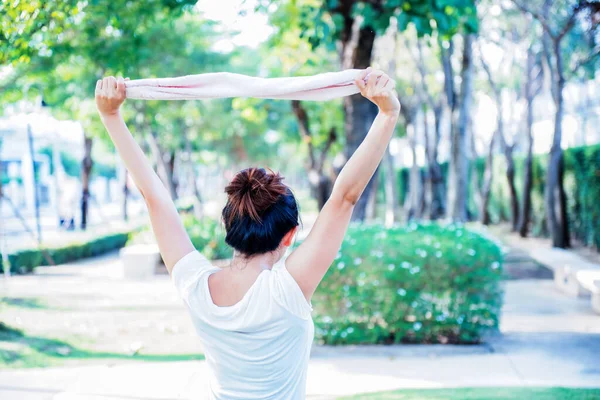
x=257, y=348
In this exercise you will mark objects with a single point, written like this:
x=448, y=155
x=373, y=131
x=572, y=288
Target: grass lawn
x=485, y=394
x=19, y=350
x=50, y=331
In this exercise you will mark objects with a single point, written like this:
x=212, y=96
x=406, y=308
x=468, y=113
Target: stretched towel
x=224, y=84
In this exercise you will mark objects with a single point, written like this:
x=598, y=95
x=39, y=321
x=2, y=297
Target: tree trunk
x=392, y=203
x=415, y=192
x=437, y=208
x=125, y=186
x=320, y=184
x=475, y=189
x=86, y=169
x=449, y=89
x=171, y=175
x=510, y=176
x=164, y=168
x=427, y=182
x=434, y=190
x=486, y=187
x=459, y=163
x=321, y=187
x=525, y=214
x=371, y=212
x=506, y=149
x=359, y=111
x=198, y=209
x=555, y=198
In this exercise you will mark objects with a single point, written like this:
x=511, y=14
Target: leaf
x=403, y=21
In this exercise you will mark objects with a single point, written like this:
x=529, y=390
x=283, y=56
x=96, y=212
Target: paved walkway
x=547, y=340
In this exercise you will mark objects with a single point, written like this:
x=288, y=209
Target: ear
x=289, y=237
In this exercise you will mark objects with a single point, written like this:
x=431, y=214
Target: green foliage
x=25, y=261
x=483, y=393
x=72, y=166
x=30, y=27
x=582, y=184
x=323, y=22
x=208, y=237
x=69, y=163
x=582, y=187
x=416, y=283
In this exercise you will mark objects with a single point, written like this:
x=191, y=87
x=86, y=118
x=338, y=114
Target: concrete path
x=547, y=340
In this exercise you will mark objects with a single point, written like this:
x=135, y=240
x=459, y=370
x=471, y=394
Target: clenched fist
x=378, y=87
x=110, y=94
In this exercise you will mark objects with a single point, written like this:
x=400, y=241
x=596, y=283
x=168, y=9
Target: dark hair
x=260, y=210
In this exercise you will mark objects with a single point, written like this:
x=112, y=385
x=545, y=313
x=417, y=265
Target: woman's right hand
x=110, y=94
x=378, y=87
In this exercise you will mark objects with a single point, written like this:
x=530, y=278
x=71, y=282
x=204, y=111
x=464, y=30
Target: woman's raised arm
x=171, y=236
x=310, y=261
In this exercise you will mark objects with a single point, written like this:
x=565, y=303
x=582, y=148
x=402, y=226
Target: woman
x=254, y=321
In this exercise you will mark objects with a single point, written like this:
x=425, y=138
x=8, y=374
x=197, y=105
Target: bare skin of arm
x=311, y=260
x=172, y=239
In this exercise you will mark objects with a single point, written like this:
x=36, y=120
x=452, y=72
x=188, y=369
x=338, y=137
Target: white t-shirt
x=257, y=348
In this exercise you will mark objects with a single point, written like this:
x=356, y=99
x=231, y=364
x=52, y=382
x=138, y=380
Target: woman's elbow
x=156, y=197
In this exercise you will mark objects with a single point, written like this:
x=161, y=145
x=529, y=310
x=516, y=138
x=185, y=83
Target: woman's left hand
x=378, y=87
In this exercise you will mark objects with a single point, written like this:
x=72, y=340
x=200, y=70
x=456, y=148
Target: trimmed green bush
x=410, y=284
x=24, y=261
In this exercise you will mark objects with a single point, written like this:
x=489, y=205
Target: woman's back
x=257, y=348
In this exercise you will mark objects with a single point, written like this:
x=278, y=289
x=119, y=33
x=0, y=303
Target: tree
x=414, y=203
x=33, y=27
x=354, y=25
x=91, y=44
x=486, y=186
x=435, y=203
x=507, y=148
x=316, y=124
x=461, y=114
x=533, y=86
x=320, y=183
x=556, y=28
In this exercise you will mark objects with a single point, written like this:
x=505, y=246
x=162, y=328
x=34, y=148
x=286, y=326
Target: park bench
x=572, y=274
x=139, y=261
x=596, y=296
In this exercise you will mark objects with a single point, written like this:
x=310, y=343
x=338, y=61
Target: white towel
x=324, y=86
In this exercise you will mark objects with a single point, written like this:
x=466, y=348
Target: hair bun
x=252, y=191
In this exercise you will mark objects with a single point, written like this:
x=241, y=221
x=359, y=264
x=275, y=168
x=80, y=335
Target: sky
x=253, y=27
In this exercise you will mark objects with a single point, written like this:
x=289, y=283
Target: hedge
x=416, y=284
x=581, y=181
x=207, y=236
x=25, y=261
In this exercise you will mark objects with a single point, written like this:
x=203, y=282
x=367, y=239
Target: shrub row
x=410, y=284
x=207, y=236
x=25, y=261
x=582, y=187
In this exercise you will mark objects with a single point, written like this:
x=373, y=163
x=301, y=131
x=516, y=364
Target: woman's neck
x=257, y=263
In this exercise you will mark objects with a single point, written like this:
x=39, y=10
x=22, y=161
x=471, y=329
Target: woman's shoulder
x=189, y=269
x=287, y=293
